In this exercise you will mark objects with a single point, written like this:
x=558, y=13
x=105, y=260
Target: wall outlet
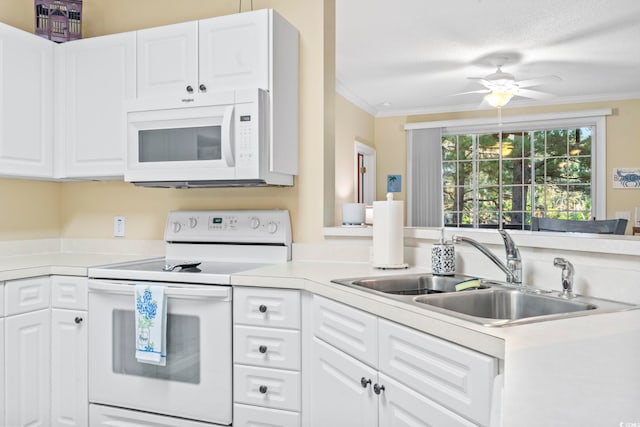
x=623, y=215
x=118, y=226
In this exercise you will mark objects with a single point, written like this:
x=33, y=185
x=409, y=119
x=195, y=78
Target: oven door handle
x=222, y=293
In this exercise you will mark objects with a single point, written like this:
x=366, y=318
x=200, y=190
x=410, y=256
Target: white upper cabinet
x=167, y=59
x=26, y=96
x=234, y=51
x=217, y=54
x=95, y=77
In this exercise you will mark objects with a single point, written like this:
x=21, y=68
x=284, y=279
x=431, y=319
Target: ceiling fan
x=500, y=87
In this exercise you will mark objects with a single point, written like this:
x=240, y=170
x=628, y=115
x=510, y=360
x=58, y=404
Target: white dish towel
x=150, y=324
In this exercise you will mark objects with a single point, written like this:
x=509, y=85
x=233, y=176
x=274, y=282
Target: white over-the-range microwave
x=217, y=140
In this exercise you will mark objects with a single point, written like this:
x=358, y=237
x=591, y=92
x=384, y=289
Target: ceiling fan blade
x=538, y=81
x=482, y=81
x=473, y=91
x=533, y=94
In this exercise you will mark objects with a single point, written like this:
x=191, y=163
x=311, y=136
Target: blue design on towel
x=147, y=308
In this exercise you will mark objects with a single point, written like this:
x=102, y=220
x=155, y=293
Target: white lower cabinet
x=44, y=352
x=69, y=352
x=69, y=399
x=338, y=395
x=27, y=369
x=413, y=379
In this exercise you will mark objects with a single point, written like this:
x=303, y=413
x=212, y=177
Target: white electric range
x=203, y=250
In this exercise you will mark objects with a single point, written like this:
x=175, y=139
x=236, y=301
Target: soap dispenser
x=443, y=257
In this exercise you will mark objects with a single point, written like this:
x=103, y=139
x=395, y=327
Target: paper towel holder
x=388, y=243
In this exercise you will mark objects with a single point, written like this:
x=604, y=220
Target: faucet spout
x=512, y=268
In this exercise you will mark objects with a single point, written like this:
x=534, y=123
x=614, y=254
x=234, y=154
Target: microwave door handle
x=228, y=135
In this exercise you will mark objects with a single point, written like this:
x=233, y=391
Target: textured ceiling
x=412, y=56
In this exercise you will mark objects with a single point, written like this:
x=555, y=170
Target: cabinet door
x=167, y=60
x=98, y=75
x=26, y=104
x=338, y=397
x=234, y=51
x=452, y=375
x=401, y=406
x=27, y=372
x=69, y=398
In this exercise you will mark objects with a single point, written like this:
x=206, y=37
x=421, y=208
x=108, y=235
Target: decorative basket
x=59, y=20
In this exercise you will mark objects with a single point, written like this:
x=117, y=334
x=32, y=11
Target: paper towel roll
x=388, y=233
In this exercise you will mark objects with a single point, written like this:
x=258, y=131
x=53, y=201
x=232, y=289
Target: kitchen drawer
x=69, y=292
x=271, y=388
x=454, y=376
x=271, y=307
x=346, y=328
x=24, y=295
x=266, y=347
x=254, y=416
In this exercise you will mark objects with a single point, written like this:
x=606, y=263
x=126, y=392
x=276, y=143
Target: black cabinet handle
x=78, y=320
x=263, y=389
x=202, y=88
x=189, y=89
x=365, y=382
x=262, y=308
x=377, y=389
x=262, y=349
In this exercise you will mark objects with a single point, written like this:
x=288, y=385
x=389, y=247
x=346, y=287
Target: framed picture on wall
x=394, y=183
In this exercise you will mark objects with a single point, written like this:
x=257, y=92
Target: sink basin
x=493, y=303
x=408, y=284
x=505, y=304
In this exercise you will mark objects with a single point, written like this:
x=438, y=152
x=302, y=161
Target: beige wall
x=29, y=209
x=352, y=124
x=87, y=209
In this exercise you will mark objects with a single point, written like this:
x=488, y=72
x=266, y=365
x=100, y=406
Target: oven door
x=196, y=381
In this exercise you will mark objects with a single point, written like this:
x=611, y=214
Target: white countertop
x=316, y=276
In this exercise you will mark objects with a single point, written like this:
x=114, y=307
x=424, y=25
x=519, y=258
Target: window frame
x=585, y=118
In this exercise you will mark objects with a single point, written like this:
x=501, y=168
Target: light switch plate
x=118, y=226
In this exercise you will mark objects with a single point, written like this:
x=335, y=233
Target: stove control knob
x=255, y=222
x=272, y=227
x=177, y=227
x=193, y=221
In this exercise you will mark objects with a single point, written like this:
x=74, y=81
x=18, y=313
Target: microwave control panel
x=247, y=123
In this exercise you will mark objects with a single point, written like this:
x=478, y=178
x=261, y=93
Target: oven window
x=183, y=349
x=180, y=144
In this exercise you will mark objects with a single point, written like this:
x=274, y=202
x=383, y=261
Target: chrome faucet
x=513, y=266
x=567, y=277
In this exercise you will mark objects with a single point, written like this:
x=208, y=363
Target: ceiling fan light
x=498, y=99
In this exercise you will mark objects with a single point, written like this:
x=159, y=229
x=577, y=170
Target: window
x=479, y=173
x=502, y=179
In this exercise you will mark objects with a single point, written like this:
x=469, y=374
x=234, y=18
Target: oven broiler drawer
x=267, y=347
x=271, y=388
x=109, y=416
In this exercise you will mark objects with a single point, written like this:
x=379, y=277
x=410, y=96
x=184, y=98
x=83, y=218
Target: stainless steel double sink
x=492, y=303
